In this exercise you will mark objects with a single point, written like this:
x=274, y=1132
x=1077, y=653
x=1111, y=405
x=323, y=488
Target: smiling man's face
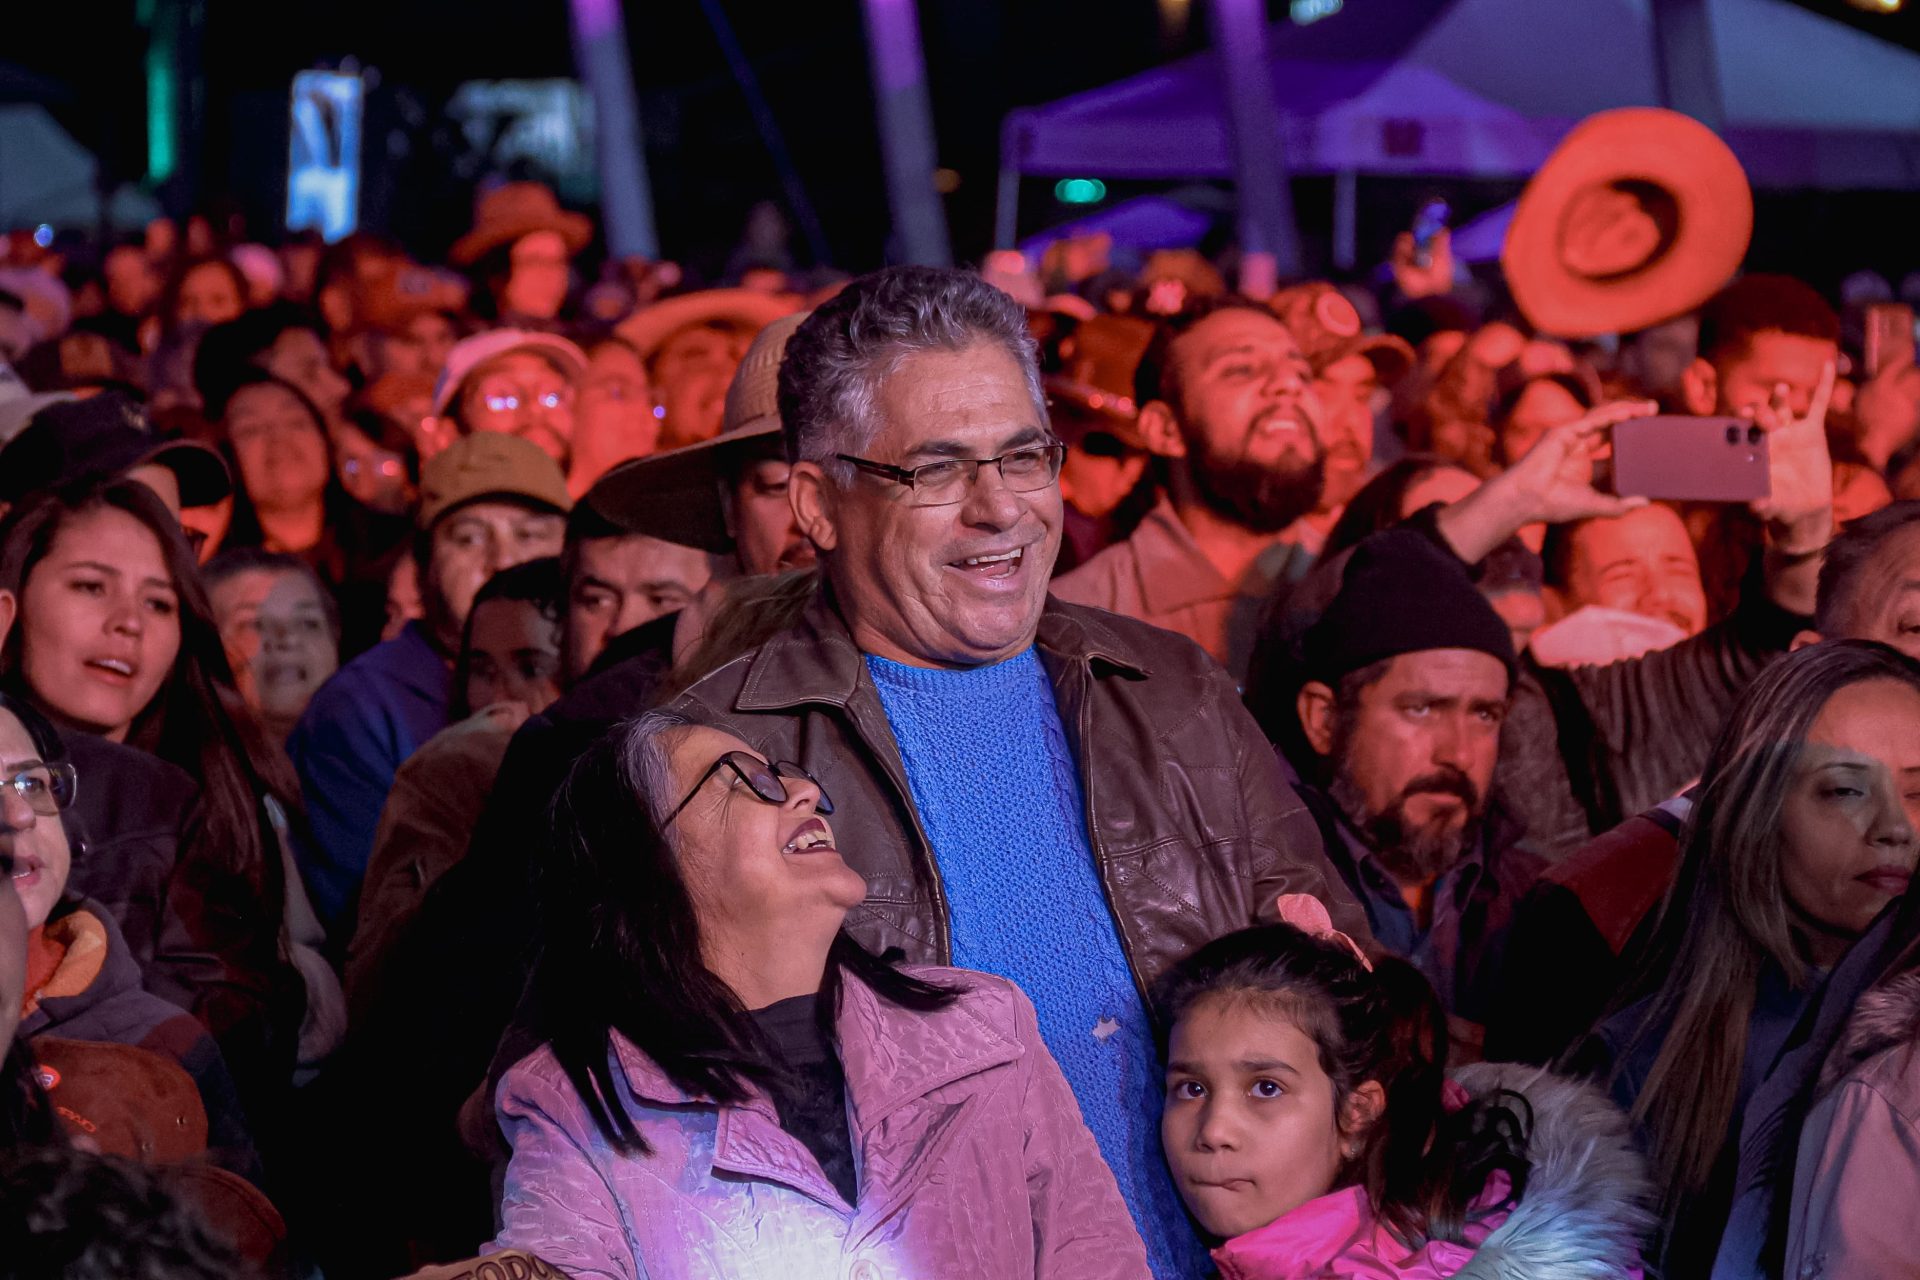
x=956, y=585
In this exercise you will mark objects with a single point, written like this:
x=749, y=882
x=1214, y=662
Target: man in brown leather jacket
x=1065, y=797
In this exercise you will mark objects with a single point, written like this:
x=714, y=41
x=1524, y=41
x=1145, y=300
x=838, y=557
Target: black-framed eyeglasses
x=47, y=788
x=760, y=775
x=941, y=484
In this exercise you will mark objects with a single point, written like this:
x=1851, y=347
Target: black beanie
x=1401, y=594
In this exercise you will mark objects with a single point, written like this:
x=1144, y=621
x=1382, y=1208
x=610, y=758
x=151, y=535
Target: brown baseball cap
x=1327, y=326
x=490, y=464
x=675, y=496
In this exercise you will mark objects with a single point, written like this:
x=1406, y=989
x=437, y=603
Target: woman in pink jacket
x=731, y=1088
x=1313, y=1132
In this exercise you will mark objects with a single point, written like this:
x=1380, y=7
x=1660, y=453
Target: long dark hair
x=197, y=720
x=1728, y=916
x=1422, y=1165
x=620, y=946
x=243, y=527
x=1377, y=505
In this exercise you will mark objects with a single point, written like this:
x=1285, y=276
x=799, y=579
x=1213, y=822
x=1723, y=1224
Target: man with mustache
x=1404, y=687
x=1227, y=403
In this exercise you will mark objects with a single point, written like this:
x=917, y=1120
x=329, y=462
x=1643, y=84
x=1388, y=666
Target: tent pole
x=620, y=148
x=1346, y=214
x=906, y=131
x=1269, y=239
x=1685, y=61
x=1006, y=213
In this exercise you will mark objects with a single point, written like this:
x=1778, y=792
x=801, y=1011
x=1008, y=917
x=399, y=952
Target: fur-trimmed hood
x=1886, y=1016
x=1586, y=1213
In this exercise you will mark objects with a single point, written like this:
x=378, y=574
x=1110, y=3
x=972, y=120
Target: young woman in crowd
x=730, y=1085
x=289, y=499
x=202, y=291
x=115, y=637
x=81, y=982
x=1312, y=1130
x=1802, y=831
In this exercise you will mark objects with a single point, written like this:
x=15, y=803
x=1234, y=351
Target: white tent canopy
x=1484, y=88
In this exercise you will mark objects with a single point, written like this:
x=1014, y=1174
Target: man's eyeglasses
x=941, y=484
x=503, y=401
x=761, y=776
x=47, y=788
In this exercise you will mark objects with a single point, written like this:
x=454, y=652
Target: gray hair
x=833, y=366
x=645, y=743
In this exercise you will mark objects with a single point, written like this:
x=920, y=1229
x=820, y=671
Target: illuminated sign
x=1306, y=11
x=323, y=153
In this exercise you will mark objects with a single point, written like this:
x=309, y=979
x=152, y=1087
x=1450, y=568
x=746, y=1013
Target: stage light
x=1878, y=6
x=1306, y=11
x=1079, y=191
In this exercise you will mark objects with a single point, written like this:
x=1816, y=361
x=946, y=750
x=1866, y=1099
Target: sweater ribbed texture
x=999, y=795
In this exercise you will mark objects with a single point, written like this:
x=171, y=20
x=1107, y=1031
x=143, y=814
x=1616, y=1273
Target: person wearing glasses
x=1227, y=404
x=728, y=1084
x=1065, y=798
x=82, y=981
x=512, y=381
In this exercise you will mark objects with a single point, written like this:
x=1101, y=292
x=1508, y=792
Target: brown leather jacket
x=1195, y=827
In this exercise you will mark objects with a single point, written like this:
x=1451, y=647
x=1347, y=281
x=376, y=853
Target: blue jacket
x=360, y=727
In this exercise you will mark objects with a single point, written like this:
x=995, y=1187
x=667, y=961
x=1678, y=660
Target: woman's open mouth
x=811, y=836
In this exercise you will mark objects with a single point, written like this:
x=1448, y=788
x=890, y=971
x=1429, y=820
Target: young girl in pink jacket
x=1313, y=1132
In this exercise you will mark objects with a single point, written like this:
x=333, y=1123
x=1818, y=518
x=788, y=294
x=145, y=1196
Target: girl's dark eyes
x=1266, y=1089
x=1187, y=1090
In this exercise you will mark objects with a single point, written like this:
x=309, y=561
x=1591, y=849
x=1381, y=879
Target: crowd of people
x=1056, y=770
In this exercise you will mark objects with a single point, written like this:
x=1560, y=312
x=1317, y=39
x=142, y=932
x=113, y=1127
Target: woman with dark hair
x=115, y=637
x=1802, y=831
x=731, y=1086
x=288, y=498
x=202, y=291
x=1312, y=1129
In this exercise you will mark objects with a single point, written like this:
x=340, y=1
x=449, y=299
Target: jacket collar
x=1300, y=1242
x=892, y=1058
x=816, y=661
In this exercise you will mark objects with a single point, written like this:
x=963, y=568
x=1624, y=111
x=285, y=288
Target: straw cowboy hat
x=675, y=496
x=1638, y=216
x=518, y=209
x=747, y=310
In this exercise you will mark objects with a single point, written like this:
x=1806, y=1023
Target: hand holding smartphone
x=1688, y=459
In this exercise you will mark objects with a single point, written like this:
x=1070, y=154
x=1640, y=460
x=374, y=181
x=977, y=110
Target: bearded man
x=1227, y=404
x=1404, y=687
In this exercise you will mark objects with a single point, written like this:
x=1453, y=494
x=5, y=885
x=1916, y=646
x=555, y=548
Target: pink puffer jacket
x=973, y=1163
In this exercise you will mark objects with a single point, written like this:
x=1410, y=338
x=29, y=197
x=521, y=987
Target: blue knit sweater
x=999, y=795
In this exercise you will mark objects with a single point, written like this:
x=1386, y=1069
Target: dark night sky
x=708, y=164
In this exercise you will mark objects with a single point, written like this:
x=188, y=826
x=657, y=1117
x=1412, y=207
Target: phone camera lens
x=1753, y=435
x=1733, y=435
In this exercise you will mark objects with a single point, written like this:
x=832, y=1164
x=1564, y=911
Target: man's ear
x=1359, y=1112
x=8, y=607
x=1161, y=430
x=1700, y=388
x=813, y=497
x=1800, y=641
x=1316, y=709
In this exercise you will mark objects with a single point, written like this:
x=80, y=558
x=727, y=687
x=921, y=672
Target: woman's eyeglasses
x=47, y=788
x=763, y=777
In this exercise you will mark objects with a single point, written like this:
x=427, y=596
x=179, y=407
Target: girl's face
x=100, y=622
x=1251, y=1128
x=1851, y=813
